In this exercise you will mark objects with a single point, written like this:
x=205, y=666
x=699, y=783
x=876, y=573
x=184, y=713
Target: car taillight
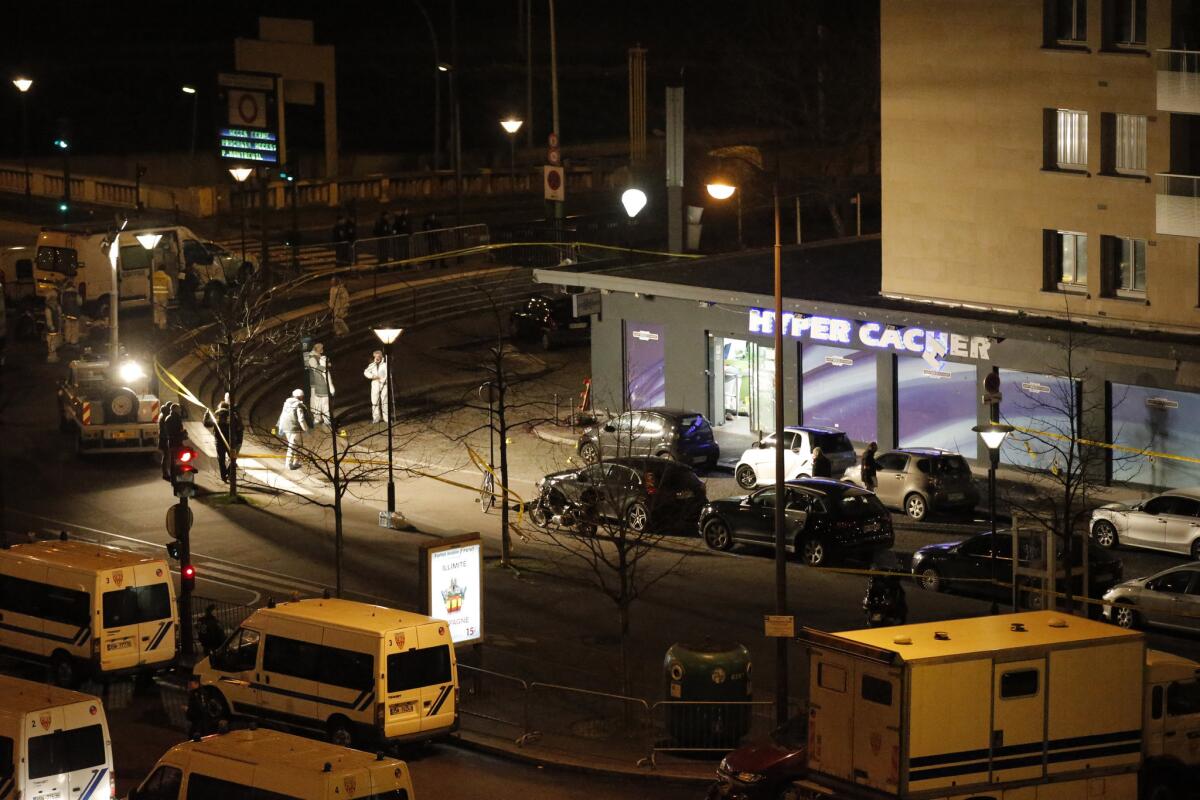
x=650, y=487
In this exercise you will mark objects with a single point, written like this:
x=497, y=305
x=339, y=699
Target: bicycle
x=487, y=492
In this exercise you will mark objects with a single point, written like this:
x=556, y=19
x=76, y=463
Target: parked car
x=1169, y=521
x=825, y=519
x=966, y=567
x=645, y=493
x=683, y=436
x=550, y=320
x=756, y=467
x=1170, y=598
x=764, y=769
x=921, y=480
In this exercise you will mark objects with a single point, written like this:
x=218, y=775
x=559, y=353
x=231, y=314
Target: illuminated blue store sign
x=930, y=345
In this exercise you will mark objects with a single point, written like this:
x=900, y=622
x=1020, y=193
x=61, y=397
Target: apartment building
x=1044, y=156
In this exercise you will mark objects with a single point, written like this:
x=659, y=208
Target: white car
x=1169, y=521
x=756, y=467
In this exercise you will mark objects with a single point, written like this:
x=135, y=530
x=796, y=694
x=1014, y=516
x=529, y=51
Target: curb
x=493, y=746
x=550, y=436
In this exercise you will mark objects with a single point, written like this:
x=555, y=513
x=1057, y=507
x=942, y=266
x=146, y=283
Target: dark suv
x=642, y=493
x=683, y=436
x=549, y=320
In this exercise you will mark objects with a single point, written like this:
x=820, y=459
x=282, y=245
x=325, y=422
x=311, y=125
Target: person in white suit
x=377, y=373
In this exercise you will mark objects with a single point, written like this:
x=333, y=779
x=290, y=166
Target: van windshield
x=413, y=669
x=66, y=751
x=135, y=604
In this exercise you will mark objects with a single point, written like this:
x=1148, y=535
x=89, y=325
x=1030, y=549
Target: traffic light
x=62, y=144
x=173, y=550
x=183, y=471
x=187, y=577
x=287, y=173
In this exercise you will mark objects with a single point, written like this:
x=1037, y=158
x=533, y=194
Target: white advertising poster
x=456, y=589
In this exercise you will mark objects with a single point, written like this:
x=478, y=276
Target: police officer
x=226, y=426
x=53, y=314
x=72, y=310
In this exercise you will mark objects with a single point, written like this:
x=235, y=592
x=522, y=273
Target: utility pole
x=458, y=194
x=183, y=527
x=558, y=205
x=264, y=258
x=529, y=74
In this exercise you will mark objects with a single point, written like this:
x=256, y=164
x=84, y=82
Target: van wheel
x=62, y=671
x=213, y=703
x=338, y=731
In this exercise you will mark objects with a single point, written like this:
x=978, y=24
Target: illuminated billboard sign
x=929, y=344
x=242, y=144
x=249, y=124
x=452, y=585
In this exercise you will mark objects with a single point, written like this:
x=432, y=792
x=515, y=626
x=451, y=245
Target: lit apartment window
x=1125, y=24
x=1066, y=260
x=1130, y=142
x=1070, y=139
x=1066, y=22
x=1125, y=266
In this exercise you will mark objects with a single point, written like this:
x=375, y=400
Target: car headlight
x=748, y=777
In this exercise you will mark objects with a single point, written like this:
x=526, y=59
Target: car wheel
x=122, y=405
x=589, y=453
x=213, y=703
x=916, y=507
x=1105, y=534
x=637, y=516
x=930, y=580
x=338, y=731
x=62, y=671
x=1125, y=616
x=814, y=553
x=745, y=477
x=716, y=534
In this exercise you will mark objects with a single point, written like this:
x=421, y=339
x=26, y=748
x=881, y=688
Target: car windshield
x=793, y=734
x=832, y=442
x=856, y=505
x=951, y=466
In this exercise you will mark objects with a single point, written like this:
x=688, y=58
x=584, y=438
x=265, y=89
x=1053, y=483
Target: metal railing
x=1177, y=60
x=1178, y=185
x=230, y=615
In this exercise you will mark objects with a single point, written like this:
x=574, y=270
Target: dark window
x=241, y=651
x=40, y=600
x=204, y=787
x=694, y=427
x=857, y=506
x=924, y=465
x=799, y=501
x=347, y=668
x=1183, y=697
x=951, y=466
x=876, y=690
x=7, y=767
x=978, y=546
x=764, y=499
x=292, y=657
x=162, y=785
x=57, y=259
x=136, y=604
x=1172, y=582
x=1065, y=23
x=892, y=462
x=1186, y=506
x=1156, y=703
x=1022, y=683
x=831, y=677
x=66, y=751
x=413, y=669
x=832, y=442
x=1124, y=25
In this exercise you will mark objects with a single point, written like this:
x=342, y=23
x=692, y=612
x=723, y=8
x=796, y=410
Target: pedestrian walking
x=339, y=306
x=161, y=289
x=320, y=383
x=164, y=447
x=53, y=314
x=293, y=422
x=226, y=426
x=821, y=468
x=72, y=310
x=376, y=373
x=209, y=630
x=870, y=466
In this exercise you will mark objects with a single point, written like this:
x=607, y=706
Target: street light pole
x=23, y=85
x=993, y=435
x=191, y=90
x=388, y=336
x=240, y=174
x=511, y=126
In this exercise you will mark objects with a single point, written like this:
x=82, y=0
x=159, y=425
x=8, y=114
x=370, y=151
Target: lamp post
x=191, y=90
x=240, y=174
x=993, y=435
x=634, y=201
x=511, y=126
x=455, y=141
x=387, y=336
x=23, y=85
x=720, y=189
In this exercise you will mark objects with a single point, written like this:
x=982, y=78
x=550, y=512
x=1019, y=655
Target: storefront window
x=937, y=407
x=1159, y=421
x=838, y=389
x=743, y=381
x=1039, y=407
x=645, y=362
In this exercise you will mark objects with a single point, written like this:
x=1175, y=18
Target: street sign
x=171, y=512
x=553, y=156
x=585, y=304
x=554, y=183
x=780, y=626
x=553, y=140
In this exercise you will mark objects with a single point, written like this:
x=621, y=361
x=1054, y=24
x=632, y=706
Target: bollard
x=556, y=409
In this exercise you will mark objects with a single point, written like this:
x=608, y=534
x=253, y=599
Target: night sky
x=114, y=69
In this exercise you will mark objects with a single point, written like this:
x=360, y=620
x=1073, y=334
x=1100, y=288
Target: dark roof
x=826, y=485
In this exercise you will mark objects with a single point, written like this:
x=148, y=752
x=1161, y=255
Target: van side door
x=236, y=670
x=437, y=668
x=288, y=690
x=8, y=766
x=831, y=706
x=1181, y=732
x=347, y=675
x=163, y=784
x=400, y=690
x=1018, y=719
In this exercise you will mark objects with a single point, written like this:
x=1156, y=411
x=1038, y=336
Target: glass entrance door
x=742, y=394
x=762, y=387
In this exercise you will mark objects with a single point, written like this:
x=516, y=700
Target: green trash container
x=716, y=672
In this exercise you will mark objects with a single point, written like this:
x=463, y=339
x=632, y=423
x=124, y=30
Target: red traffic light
x=188, y=572
x=185, y=459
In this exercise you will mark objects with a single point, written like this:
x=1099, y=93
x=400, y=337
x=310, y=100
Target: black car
x=645, y=494
x=549, y=319
x=683, y=436
x=966, y=567
x=825, y=518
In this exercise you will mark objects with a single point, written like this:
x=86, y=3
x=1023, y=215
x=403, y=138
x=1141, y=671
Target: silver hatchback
x=919, y=480
x=1170, y=598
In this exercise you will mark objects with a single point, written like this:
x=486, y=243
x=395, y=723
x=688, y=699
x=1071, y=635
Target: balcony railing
x=1178, y=81
x=1177, y=204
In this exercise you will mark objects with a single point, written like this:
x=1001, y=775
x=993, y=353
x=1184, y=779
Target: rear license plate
x=956, y=495
x=402, y=708
x=118, y=644
x=699, y=459
x=576, y=326
x=124, y=434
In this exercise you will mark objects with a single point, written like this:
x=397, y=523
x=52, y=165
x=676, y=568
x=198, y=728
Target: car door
x=754, y=519
x=890, y=478
x=972, y=560
x=800, y=505
x=649, y=430
x=1182, y=525
x=587, y=487
x=797, y=455
x=134, y=272
x=1189, y=603
x=620, y=486
x=1161, y=599
x=1148, y=525
x=615, y=443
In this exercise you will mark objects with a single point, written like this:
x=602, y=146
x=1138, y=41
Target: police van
x=54, y=744
x=269, y=765
x=355, y=671
x=87, y=609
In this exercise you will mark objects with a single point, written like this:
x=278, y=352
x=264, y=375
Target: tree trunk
x=337, y=508
x=232, y=451
x=502, y=425
x=623, y=614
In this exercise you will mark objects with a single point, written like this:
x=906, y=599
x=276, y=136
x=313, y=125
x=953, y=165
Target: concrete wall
x=965, y=199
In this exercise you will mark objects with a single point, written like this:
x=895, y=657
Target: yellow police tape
x=1108, y=445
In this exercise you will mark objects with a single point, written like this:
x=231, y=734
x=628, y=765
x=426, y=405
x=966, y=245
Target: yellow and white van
x=269, y=765
x=54, y=744
x=86, y=608
x=358, y=672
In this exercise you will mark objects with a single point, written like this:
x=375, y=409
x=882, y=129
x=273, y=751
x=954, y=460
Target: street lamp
x=240, y=174
x=722, y=189
x=993, y=434
x=191, y=90
x=511, y=126
x=387, y=336
x=23, y=85
x=634, y=201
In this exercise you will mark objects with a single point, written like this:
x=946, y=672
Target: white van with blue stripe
x=54, y=744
